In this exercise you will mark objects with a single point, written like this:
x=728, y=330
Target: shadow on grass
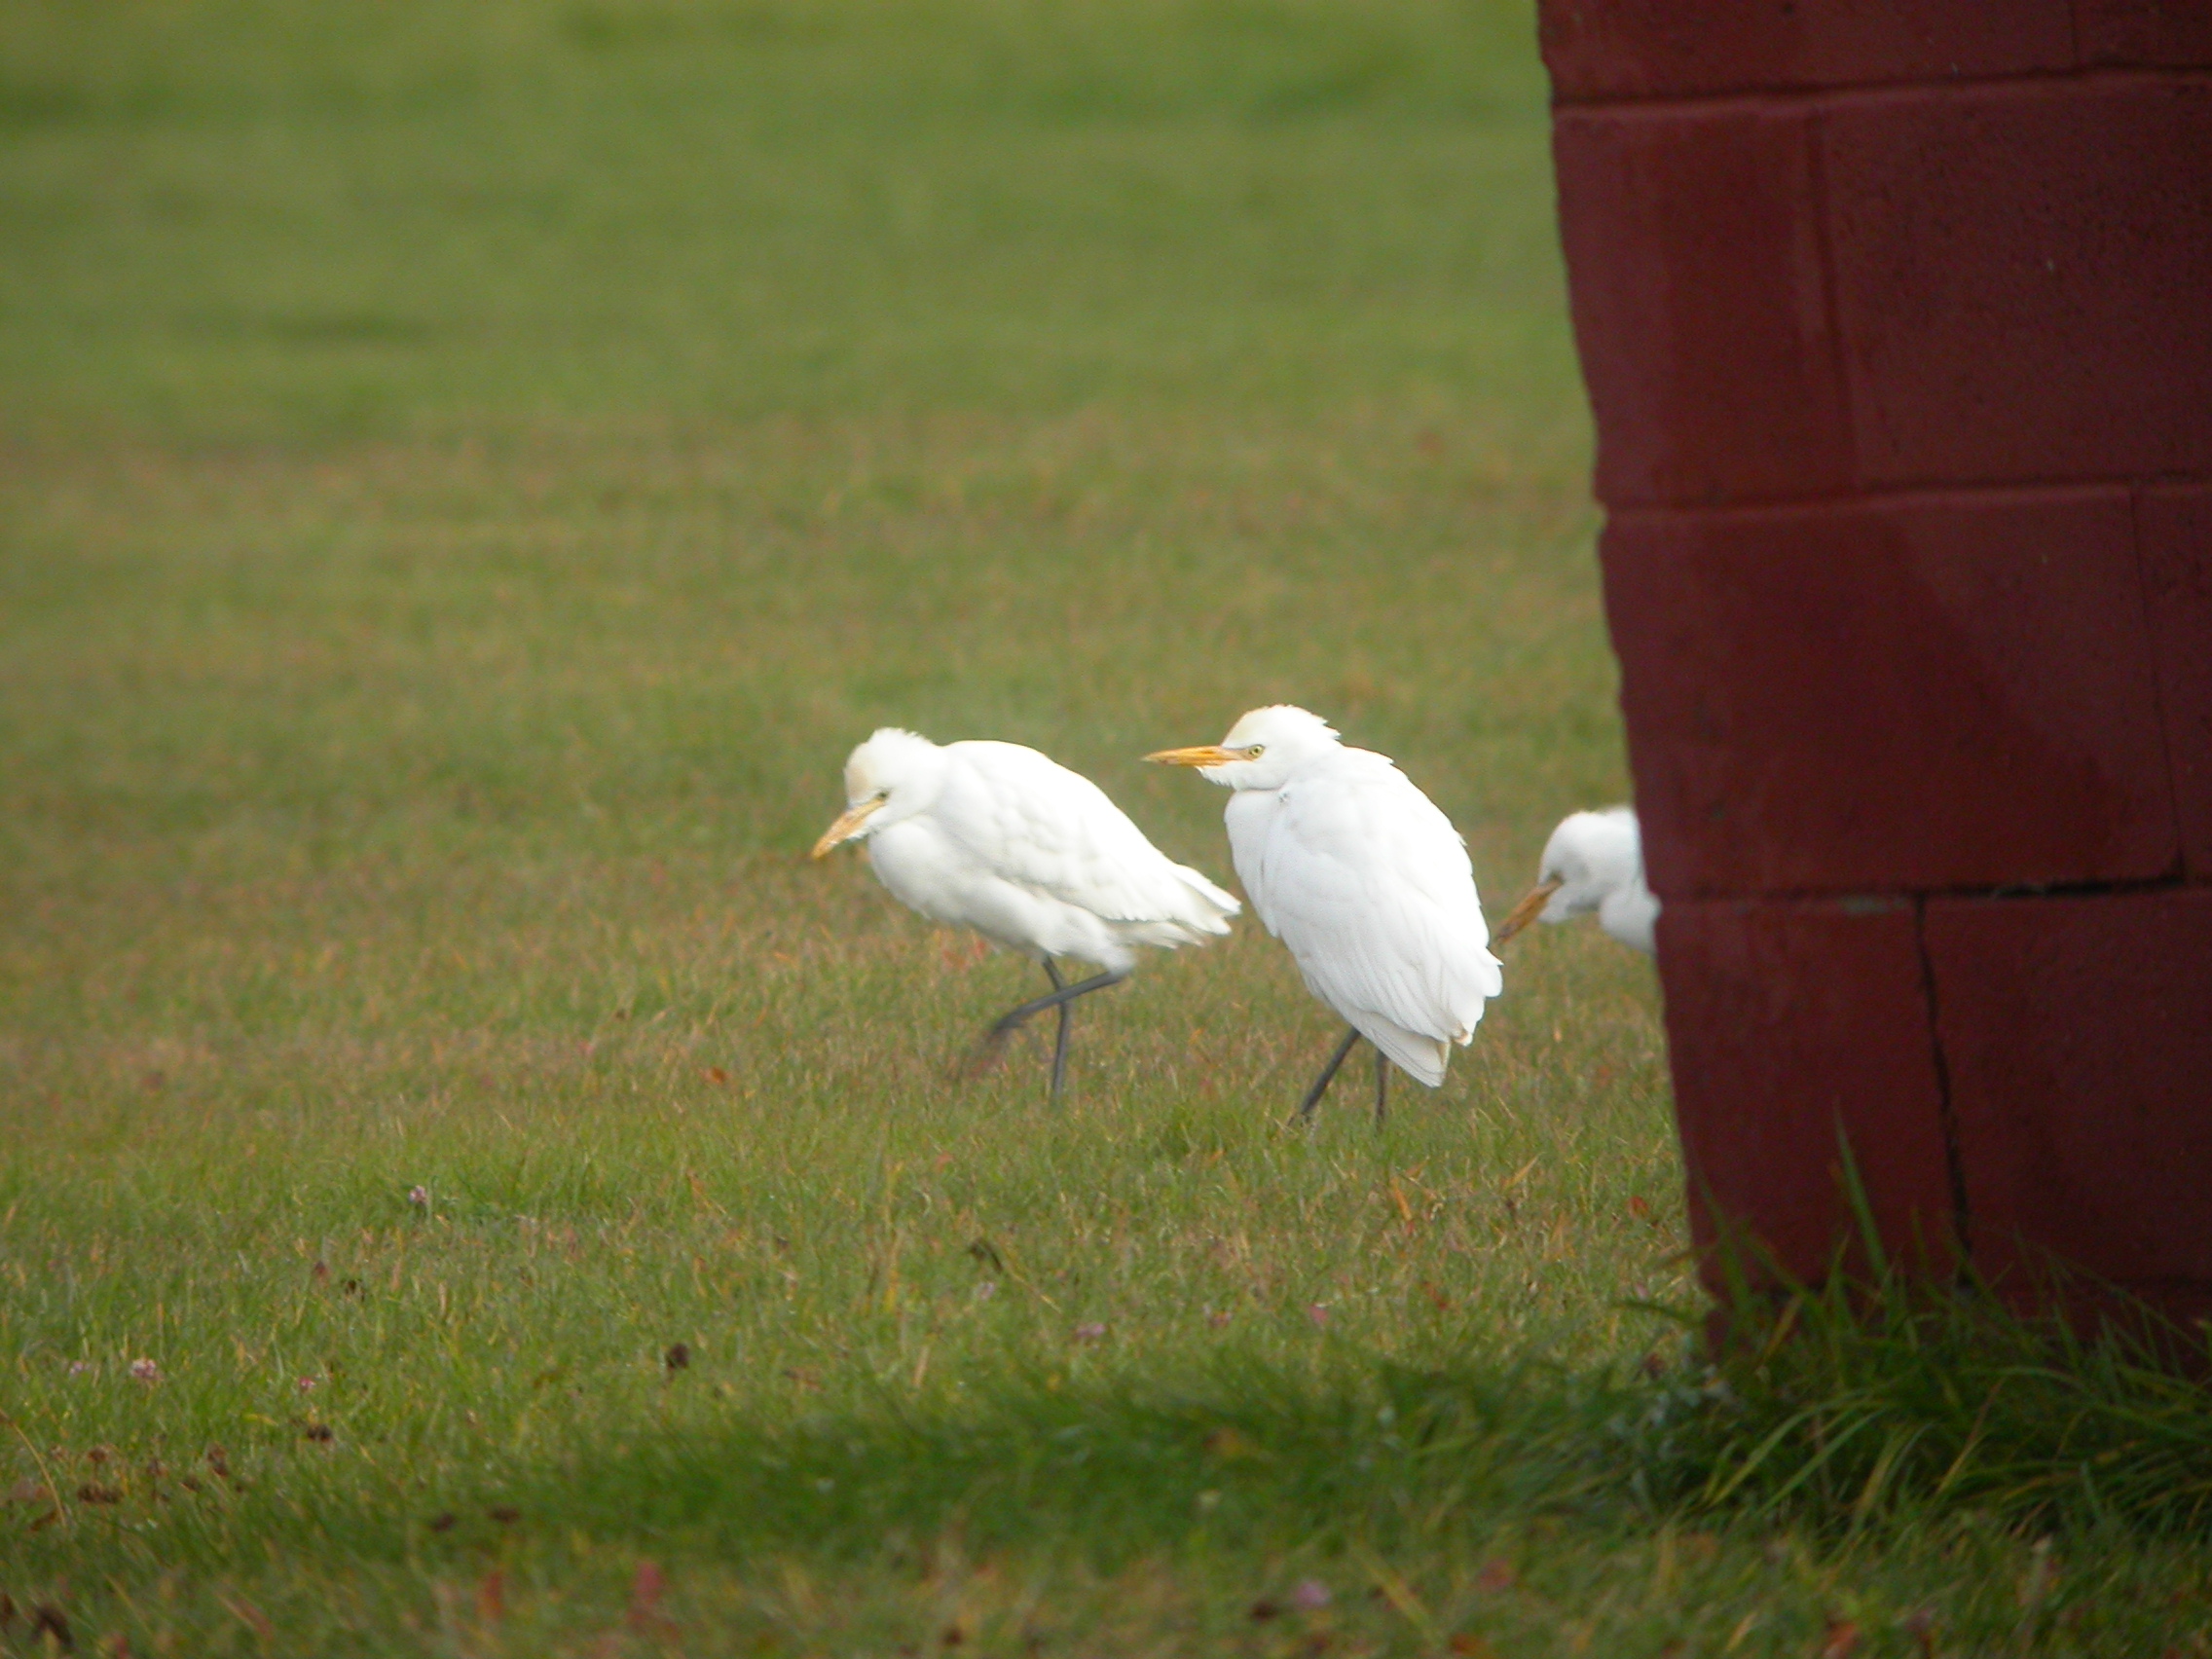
x=1370, y=1455
x=1865, y=1404
x=1861, y=1422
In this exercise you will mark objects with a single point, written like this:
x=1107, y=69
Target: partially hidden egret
x=1002, y=839
x=1593, y=862
x=1366, y=881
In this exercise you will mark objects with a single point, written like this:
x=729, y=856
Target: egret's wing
x=1369, y=886
x=1036, y=824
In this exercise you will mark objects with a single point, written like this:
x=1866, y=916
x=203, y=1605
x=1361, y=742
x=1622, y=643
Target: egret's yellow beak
x=1522, y=914
x=847, y=825
x=1206, y=755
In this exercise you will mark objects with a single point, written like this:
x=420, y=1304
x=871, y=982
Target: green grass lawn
x=467, y=475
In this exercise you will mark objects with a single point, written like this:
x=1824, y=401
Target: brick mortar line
x=1771, y=100
x=1893, y=900
x=2026, y=493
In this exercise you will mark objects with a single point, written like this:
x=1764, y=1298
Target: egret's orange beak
x=1522, y=914
x=1206, y=755
x=847, y=825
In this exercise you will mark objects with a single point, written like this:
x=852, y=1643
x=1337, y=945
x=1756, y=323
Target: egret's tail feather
x=1419, y=1058
x=1221, y=904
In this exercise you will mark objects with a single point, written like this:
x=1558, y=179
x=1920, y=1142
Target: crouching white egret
x=1000, y=838
x=1593, y=862
x=1365, y=881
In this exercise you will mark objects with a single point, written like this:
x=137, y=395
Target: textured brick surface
x=2174, y=33
x=2175, y=527
x=2022, y=276
x=1699, y=305
x=1906, y=696
x=1631, y=49
x=1897, y=321
x=1792, y=1024
x=2077, y=1033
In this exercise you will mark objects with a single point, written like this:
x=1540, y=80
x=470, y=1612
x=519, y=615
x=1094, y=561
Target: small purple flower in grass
x=1309, y=1595
x=145, y=1371
x=1089, y=1333
x=78, y=1367
x=306, y=1384
x=1318, y=1313
x=418, y=1197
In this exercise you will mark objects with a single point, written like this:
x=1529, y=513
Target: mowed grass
x=469, y=475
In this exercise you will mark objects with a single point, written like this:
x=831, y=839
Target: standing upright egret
x=1000, y=838
x=1593, y=862
x=1365, y=881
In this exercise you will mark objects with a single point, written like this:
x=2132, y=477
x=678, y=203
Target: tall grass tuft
x=1886, y=1395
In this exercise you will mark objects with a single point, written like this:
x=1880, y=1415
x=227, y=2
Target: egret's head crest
x=891, y=759
x=1281, y=725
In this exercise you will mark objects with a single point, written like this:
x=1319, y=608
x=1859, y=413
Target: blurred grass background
x=468, y=474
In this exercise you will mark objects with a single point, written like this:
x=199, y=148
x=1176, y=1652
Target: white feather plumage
x=1594, y=861
x=1362, y=877
x=1000, y=838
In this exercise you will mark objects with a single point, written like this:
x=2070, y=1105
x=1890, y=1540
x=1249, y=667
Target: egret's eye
x=1253, y=751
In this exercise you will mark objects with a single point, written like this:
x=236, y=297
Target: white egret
x=1593, y=862
x=1365, y=881
x=1000, y=838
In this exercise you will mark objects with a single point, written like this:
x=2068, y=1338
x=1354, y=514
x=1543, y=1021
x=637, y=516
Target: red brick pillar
x=1897, y=319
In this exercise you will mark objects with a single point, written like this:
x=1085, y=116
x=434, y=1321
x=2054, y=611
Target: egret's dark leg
x=1381, y=1086
x=1060, y=1037
x=1328, y=1075
x=1058, y=997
